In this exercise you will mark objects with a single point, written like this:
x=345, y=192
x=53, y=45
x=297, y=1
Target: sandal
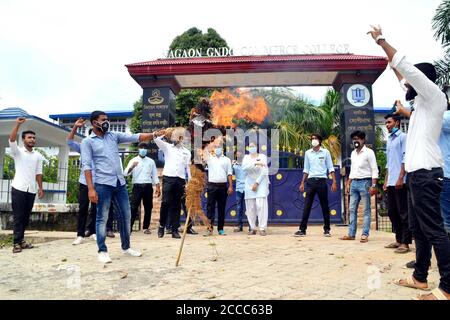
x=393, y=245
x=26, y=245
x=17, y=248
x=437, y=293
x=347, y=238
x=410, y=283
x=402, y=250
x=364, y=239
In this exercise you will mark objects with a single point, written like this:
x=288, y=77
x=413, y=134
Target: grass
x=6, y=240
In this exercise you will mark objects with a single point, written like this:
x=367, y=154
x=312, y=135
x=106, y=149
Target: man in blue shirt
x=101, y=150
x=444, y=144
x=318, y=164
x=394, y=184
x=240, y=190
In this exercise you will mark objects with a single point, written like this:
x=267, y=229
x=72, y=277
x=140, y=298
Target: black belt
x=317, y=179
x=142, y=184
x=219, y=184
x=362, y=179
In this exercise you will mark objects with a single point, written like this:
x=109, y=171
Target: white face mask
x=315, y=142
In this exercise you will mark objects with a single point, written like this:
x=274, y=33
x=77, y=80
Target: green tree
x=441, y=27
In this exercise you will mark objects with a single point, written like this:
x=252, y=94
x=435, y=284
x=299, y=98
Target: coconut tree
x=441, y=27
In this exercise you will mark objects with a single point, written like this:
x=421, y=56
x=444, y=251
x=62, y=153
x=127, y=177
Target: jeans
x=22, y=204
x=398, y=214
x=427, y=225
x=359, y=191
x=144, y=193
x=445, y=204
x=315, y=186
x=240, y=207
x=119, y=196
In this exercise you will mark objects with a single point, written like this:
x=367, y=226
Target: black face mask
x=104, y=126
x=356, y=144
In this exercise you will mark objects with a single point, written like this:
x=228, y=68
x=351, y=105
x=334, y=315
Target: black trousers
x=315, y=186
x=183, y=207
x=397, y=201
x=83, y=200
x=144, y=193
x=217, y=194
x=22, y=204
x=172, y=191
x=427, y=224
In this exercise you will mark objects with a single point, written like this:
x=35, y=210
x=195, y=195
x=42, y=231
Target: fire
x=227, y=106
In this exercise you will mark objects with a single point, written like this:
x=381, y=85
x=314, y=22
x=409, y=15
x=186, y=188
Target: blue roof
x=86, y=115
x=13, y=113
x=381, y=109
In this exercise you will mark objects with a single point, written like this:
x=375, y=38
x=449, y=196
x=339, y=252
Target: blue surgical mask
x=218, y=152
x=252, y=150
x=394, y=130
x=142, y=152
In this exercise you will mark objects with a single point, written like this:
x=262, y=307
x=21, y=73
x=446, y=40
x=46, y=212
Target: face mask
x=356, y=144
x=218, y=151
x=252, y=150
x=104, y=126
x=315, y=142
x=394, y=130
x=142, y=152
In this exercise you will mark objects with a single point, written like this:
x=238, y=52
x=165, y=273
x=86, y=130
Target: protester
x=318, y=164
x=26, y=183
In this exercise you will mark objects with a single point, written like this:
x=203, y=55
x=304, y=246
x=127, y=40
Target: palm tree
x=441, y=27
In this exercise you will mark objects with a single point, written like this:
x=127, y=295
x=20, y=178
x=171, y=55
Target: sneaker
x=251, y=232
x=103, y=257
x=191, y=231
x=222, y=233
x=131, y=252
x=17, y=248
x=300, y=233
x=238, y=229
x=262, y=232
x=176, y=235
x=110, y=234
x=327, y=233
x=208, y=233
x=78, y=240
x=168, y=230
x=94, y=237
x=147, y=231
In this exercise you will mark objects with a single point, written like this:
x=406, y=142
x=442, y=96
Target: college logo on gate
x=156, y=97
x=358, y=95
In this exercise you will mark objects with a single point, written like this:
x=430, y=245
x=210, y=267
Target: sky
x=70, y=56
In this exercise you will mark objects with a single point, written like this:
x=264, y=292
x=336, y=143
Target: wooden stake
x=182, y=239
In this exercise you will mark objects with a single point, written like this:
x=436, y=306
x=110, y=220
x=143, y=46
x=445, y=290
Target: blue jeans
x=359, y=191
x=445, y=204
x=119, y=196
x=240, y=207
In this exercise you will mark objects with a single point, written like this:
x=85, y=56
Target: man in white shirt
x=177, y=160
x=220, y=172
x=144, y=177
x=26, y=183
x=362, y=184
x=423, y=164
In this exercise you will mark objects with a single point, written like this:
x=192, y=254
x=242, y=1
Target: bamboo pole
x=182, y=239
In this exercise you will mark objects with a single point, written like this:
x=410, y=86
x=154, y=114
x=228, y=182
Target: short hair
x=393, y=116
x=142, y=145
x=318, y=136
x=359, y=134
x=96, y=114
x=24, y=133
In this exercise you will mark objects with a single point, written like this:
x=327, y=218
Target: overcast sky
x=68, y=56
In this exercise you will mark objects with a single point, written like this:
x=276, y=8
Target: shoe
x=412, y=264
x=238, y=229
x=131, y=252
x=327, y=233
x=103, y=257
x=222, y=233
x=347, y=238
x=110, y=234
x=160, y=232
x=78, y=240
x=87, y=234
x=262, y=232
x=300, y=233
x=364, y=239
x=208, y=233
x=168, y=230
x=191, y=231
x=26, y=245
x=147, y=231
x=176, y=235
x=17, y=248
x=94, y=237
x=251, y=232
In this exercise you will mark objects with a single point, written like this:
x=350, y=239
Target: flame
x=227, y=106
